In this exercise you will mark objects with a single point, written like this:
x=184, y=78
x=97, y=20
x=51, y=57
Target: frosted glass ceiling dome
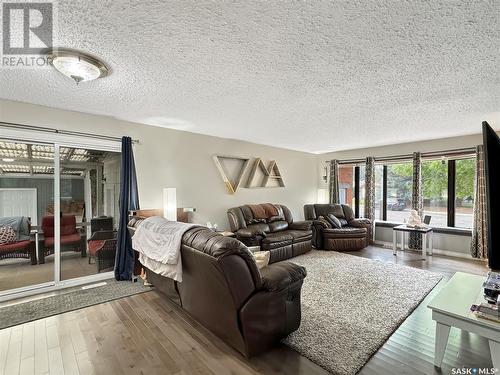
x=77, y=65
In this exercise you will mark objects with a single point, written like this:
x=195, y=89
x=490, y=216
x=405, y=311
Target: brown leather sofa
x=276, y=232
x=351, y=235
x=222, y=288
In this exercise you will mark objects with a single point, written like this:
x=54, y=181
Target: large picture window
x=447, y=189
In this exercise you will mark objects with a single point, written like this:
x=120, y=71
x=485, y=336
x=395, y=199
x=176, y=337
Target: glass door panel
x=26, y=210
x=89, y=191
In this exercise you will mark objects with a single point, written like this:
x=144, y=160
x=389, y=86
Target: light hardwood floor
x=146, y=334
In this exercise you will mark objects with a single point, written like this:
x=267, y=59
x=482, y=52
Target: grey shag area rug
x=24, y=312
x=351, y=305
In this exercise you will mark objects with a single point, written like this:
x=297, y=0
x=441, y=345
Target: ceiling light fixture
x=7, y=160
x=76, y=65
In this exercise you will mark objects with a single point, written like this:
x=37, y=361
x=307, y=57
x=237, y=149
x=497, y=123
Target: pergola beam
x=30, y=157
x=69, y=154
x=69, y=164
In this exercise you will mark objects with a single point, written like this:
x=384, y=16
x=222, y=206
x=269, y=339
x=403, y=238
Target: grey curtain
x=417, y=199
x=370, y=194
x=479, y=242
x=334, y=182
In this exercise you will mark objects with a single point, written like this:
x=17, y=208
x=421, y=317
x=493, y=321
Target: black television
x=491, y=143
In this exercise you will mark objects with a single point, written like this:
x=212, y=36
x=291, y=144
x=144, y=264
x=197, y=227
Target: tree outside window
x=464, y=192
x=435, y=191
x=399, y=190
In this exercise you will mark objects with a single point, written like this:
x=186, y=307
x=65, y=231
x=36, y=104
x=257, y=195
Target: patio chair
x=102, y=248
x=71, y=238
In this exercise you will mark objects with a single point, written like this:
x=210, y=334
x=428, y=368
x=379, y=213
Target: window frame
x=451, y=194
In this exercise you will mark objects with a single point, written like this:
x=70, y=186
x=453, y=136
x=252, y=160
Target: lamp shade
x=170, y=203
x=322, y=196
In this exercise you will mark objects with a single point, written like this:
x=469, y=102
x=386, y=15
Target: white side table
x=451, y=308
x=427, y=233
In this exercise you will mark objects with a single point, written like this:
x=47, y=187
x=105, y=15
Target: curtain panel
x=129, y=200
x=479, y=241
x=370, y=195
x=417, y=199
x=334, y=182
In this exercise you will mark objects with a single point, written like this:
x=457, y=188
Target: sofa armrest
x=321, y=224
x=281, y=275
x=360, y=223
x=300, y=225
x=272, y=312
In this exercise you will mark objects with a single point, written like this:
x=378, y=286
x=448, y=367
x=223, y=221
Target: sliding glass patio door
x=58, y=212
x=26, y=197
x=89, y=190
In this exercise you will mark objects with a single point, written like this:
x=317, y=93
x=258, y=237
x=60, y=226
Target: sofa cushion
x=345, y=232
x=277, y=239
x=278, y=226
x=94, y=246
x=247, y=214
x=259, y=228
x=7, y=235
x=65, y=240
x=21, y=245
x=299, y=235
x=348, y=212
x=324, y=222
x=325, y=209
x=276, y=215
x=20, y=224
x=272, y=219
x=334, y=222
x=343, y=222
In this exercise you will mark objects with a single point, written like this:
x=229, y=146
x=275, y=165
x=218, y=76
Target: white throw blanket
x=158, y=242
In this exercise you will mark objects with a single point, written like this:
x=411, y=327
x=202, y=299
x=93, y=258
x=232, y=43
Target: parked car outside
x=397, y=205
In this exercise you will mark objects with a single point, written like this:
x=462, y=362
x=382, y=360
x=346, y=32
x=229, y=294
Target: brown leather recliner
x=353, y=234
x=223, y=289
x=276, y=233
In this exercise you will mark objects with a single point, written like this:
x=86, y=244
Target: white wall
x=445, y=242
x=172, y=158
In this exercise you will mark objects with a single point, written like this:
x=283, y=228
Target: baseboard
x=447, y=253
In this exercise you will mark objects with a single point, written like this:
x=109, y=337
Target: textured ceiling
x=313, y=76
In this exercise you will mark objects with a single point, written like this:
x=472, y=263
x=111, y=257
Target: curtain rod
x=57, y=131
x=447, y=153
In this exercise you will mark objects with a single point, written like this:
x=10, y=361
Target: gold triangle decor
x=271, y=172
x=231, y=187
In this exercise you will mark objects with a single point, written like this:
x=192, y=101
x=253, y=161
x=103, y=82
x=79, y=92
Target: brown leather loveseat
x=222, y=288
x=271, y=227
x=346, y=233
